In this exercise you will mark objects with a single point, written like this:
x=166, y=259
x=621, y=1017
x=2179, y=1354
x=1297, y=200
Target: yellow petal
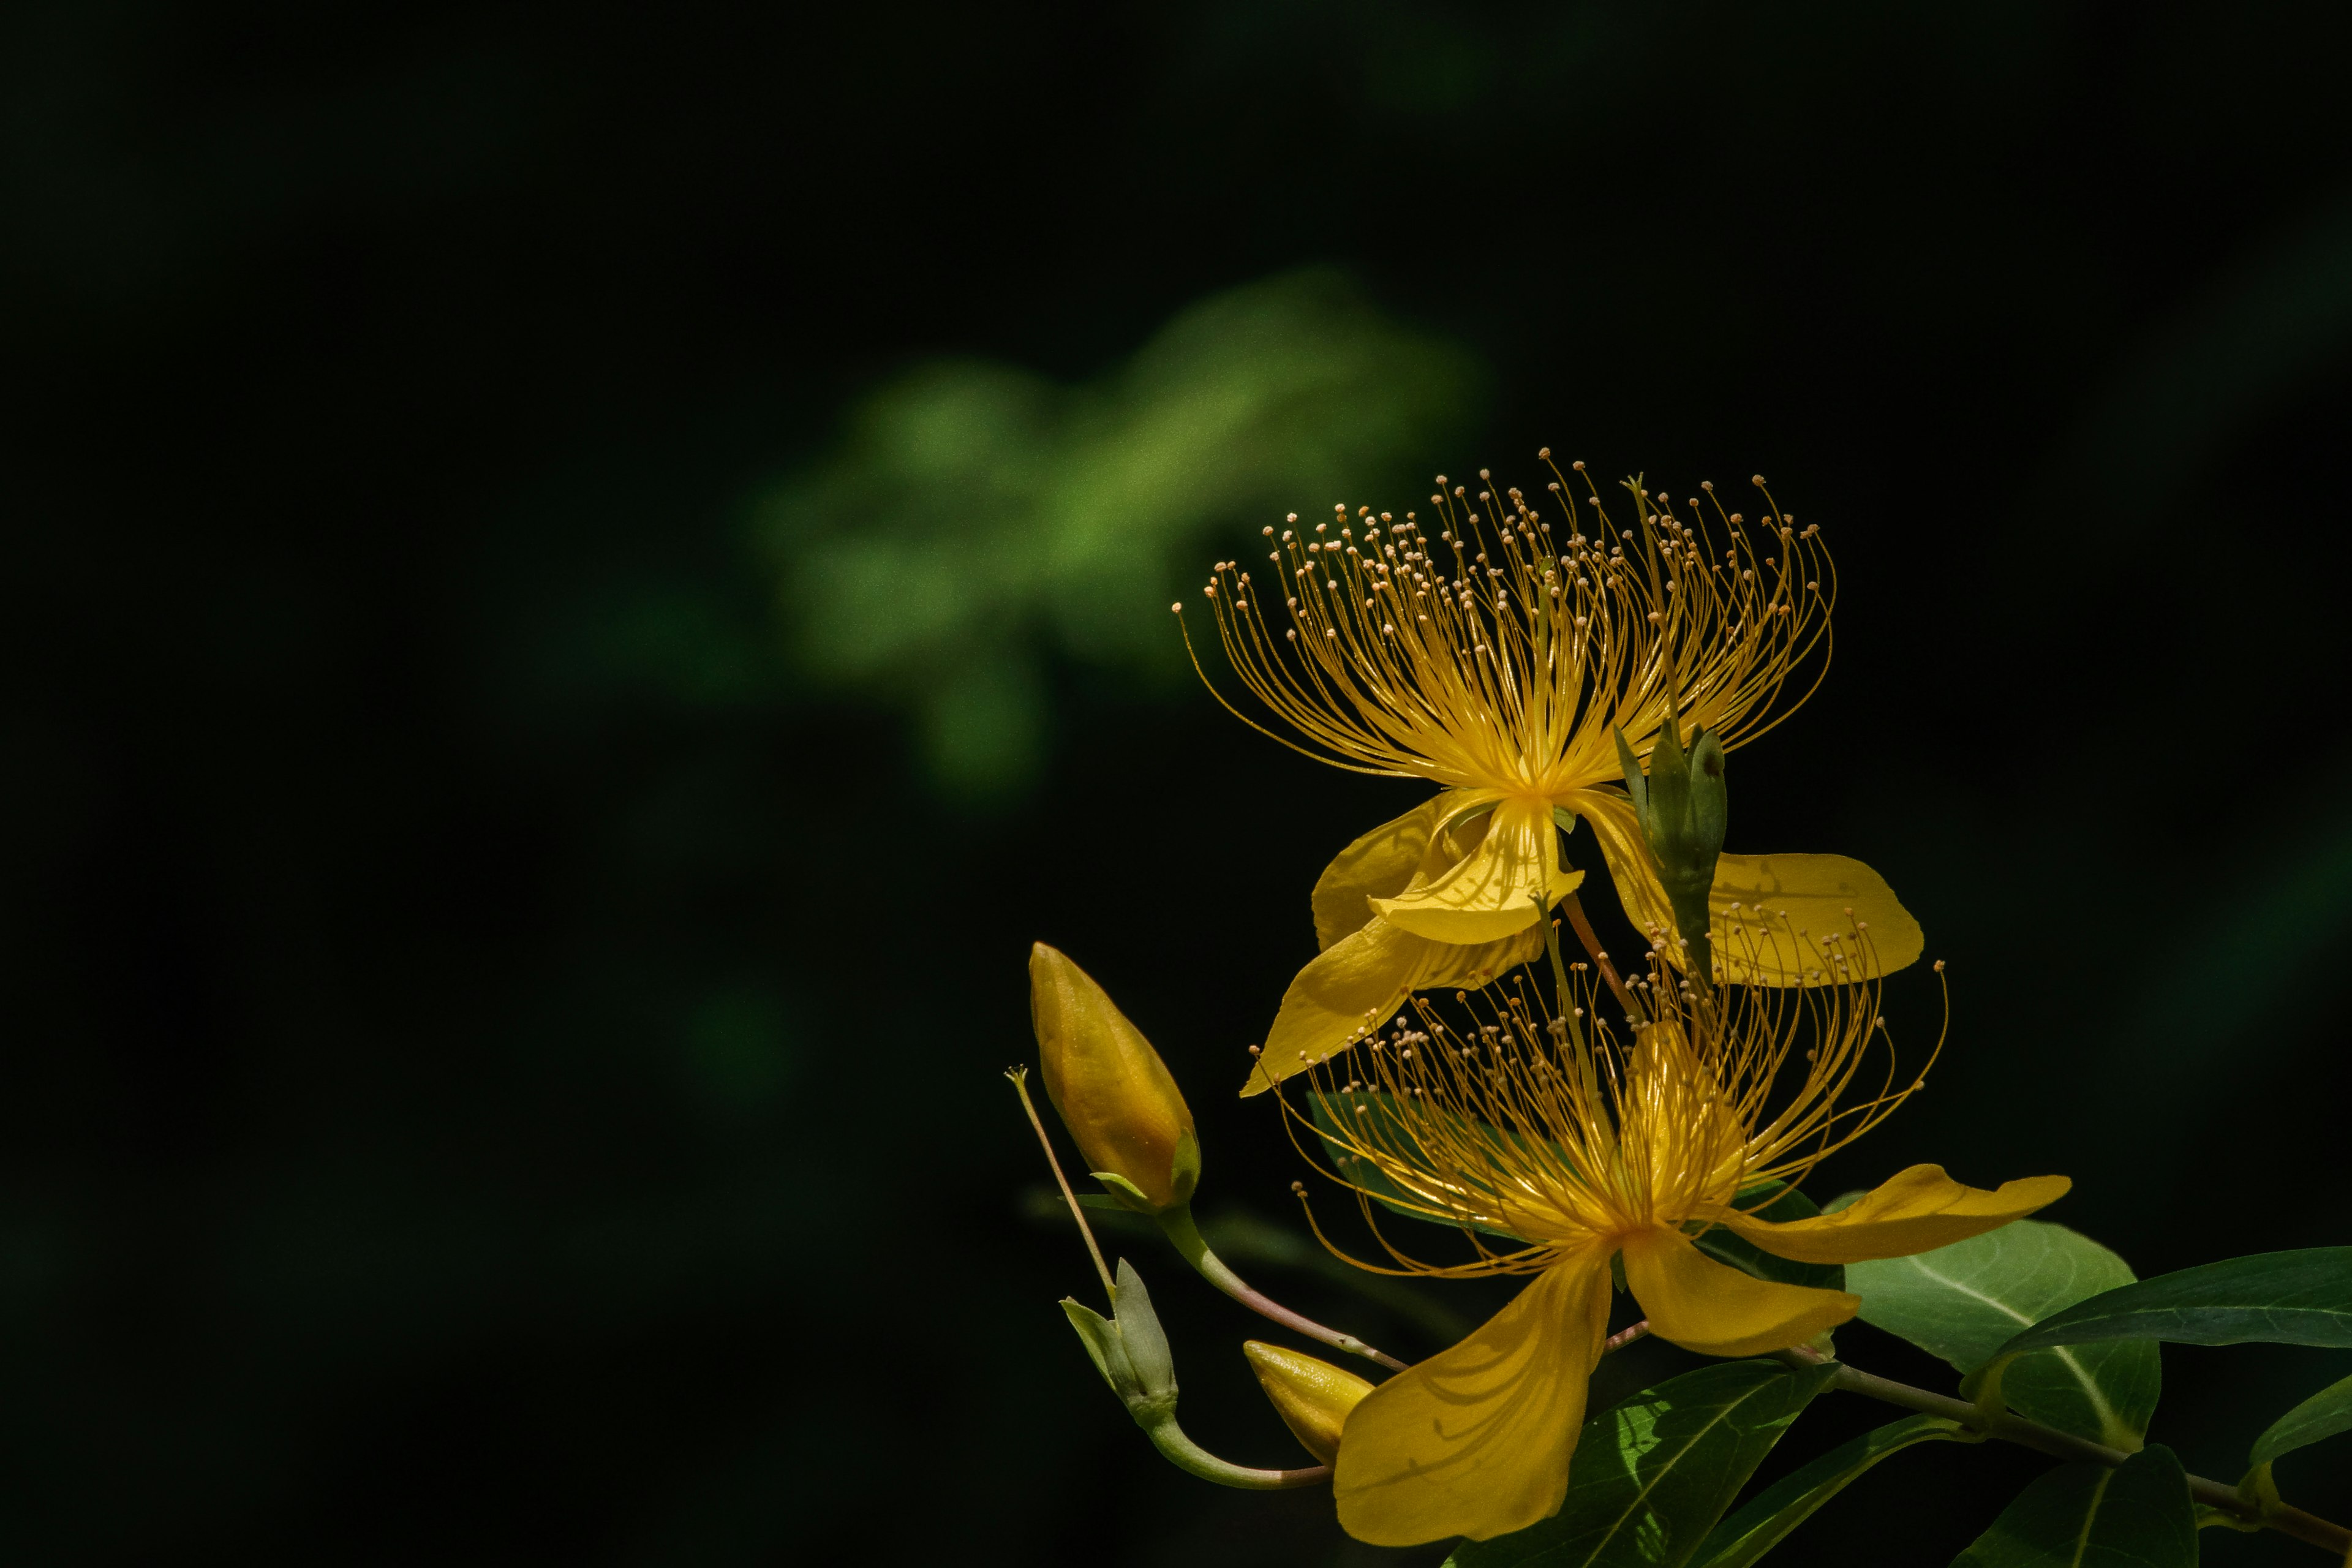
x=1916, y=1210
x=1476, y=1440
x=1115, y=1094
x=1815, y=891
x=1357, y=984
x=1485, y=896
x=1750, y=894
x=1379, y=866
x=1632, y=868
x=1313, y=1397
x=1714, y=1309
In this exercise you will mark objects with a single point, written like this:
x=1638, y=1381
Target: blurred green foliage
x=976, y=519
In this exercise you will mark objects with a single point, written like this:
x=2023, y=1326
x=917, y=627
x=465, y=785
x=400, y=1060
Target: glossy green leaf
x=1740, y=1253
x=2324, y=1415
x=2138, y=1515
x=1765, y=1519
x=1652, y=1474
x=1965, y=1301
x=2302, y=1297
x=1376, y=1119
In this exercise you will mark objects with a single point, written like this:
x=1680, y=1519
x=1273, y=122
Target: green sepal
x=1100, y=1336
x=1145, y=1340
x=1185, y=1170
x=1126, y=1193
x=1637, y=782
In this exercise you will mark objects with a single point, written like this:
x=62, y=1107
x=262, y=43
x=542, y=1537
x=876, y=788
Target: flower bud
x=1113, y=1091
x=1313, y=1397
x=1681, y=807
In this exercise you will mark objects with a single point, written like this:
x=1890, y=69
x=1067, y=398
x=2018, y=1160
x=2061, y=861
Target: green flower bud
x=1681, y=804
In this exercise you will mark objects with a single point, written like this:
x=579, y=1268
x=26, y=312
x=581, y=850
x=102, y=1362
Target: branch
x=2013, y=1428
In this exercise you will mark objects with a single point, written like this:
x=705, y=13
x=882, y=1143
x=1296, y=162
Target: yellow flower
x=1313, y=1397
x=1580, y=1147
x=1500, y=659
x=1114, y=1093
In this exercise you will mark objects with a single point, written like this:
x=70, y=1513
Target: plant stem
x=1194, y=1460
x=2013, y=1428
x=1583, y=928
x=1177, y=1223
x=1020, y=1080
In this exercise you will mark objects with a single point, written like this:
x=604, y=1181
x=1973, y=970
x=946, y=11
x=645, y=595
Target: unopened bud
x=1682, y=811
x=1114, y=1093
x=1313, y=1397
x=1129, y=1349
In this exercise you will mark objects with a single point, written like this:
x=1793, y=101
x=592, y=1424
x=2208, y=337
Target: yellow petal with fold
x=1380, y=865
x=1815, y=893
x=1357, y=984
x=1916, y=1210
x=1632, y=869
x=1708, y=1307
x=1485, y=896
x=1476, y=1440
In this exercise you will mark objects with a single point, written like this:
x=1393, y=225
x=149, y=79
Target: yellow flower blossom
x=1500, y=659
x=1558, y=1144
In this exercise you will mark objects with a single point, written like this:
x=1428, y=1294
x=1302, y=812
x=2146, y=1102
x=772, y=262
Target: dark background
x=501, y=1026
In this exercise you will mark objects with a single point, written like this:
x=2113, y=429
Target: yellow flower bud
x=1313, y=1397
x=1114, y=1092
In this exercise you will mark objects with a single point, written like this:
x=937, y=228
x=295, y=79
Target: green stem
x=1194, y=1460
x=2013, y=1429
x=1177, y=1223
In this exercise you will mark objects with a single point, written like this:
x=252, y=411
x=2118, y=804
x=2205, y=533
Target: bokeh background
x=582, y=581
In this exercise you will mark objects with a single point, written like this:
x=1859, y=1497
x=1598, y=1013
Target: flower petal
x=1916, y=1210
x=1380, y=865
x=1714, y=1309
x=1486, y=895
x=1476, y=1440
x=1632, y=869
x=1357, y=984
x=1750, y=894
x=1821, y=894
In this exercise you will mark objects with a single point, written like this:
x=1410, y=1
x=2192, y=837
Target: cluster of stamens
x=1540, y=1128
x=1502, y=651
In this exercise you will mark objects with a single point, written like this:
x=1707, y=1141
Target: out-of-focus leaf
x=1740, y=1253
x=1765, y=1519
x=1964, y=1301
x=2138, y=1515
x=1652, y=1474
x=2324, y=1415
x=2301, y=1297
x=974, y=515
x=1373, y=1117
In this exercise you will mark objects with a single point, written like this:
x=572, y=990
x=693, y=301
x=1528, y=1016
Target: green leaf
x=1377, y=1121
x=1652, y=1474
x=1765, y=1519
x=1742, y=1254
x=2138, y=1515
x=2302, y=1297
x=1964, y=1301
x=2324, y=1415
